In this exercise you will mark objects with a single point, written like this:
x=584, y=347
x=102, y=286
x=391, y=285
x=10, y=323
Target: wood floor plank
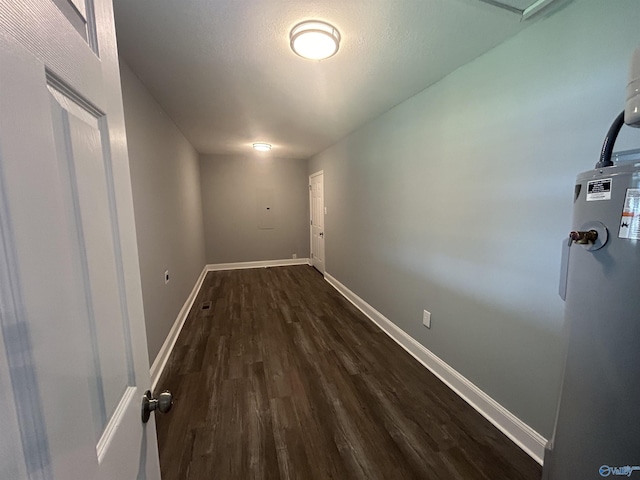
x=282, y=378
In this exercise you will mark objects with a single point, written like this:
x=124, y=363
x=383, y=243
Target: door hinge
x=309, y=187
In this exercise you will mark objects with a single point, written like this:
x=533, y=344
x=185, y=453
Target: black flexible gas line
x=609, y=141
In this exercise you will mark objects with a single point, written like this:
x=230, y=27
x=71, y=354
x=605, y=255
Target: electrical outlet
x=166, y=277
x=426, y=319
x=295, y=255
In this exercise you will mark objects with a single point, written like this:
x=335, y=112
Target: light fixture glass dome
x=262, y=147
x=315, y=40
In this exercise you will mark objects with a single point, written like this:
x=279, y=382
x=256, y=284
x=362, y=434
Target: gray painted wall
x=166, y=196
x=457, y=200
x=235, y=190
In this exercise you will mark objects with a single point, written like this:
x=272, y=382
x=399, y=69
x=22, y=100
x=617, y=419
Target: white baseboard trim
x=519, y=432
x=167, y=347
x=213, y=267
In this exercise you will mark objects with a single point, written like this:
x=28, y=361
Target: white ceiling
x=224, y=72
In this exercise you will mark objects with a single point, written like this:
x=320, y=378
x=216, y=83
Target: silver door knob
x=163, y=404
x=321, y=234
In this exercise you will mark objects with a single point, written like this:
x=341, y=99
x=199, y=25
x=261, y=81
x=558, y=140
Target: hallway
x=283, y=378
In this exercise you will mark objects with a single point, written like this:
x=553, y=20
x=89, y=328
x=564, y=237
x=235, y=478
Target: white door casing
x=316, y=202
x=73, y=353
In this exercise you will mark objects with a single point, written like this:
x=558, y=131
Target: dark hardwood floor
x=283, y=378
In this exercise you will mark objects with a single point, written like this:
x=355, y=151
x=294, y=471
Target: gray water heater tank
x=598, y=423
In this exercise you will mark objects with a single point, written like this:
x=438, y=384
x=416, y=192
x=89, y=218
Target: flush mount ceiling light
x=262, y=147
x=314, y=40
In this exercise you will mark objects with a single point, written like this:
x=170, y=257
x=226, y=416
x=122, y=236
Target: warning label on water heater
x=630, y=221
x=599, y=190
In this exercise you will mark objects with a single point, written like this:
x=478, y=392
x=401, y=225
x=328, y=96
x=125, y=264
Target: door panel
x=37, y=236
x=81, y=141
x=316, y=182
x=76, y=13
x=47, y=34
x=71, y=321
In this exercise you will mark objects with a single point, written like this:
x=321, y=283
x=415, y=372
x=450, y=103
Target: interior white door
x=316, y=201
x=73, y=360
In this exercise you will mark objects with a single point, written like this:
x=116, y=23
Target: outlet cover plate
x=426, y=319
